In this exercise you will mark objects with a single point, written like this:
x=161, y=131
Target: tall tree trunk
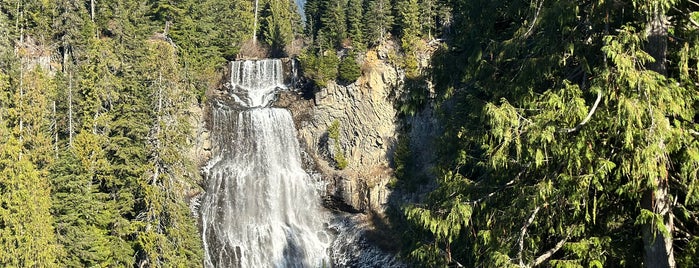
x=54, y=126
x=70, y=109
x=658, y=252
x=254, y=25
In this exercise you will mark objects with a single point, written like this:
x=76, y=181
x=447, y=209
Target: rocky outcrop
x=368, y=130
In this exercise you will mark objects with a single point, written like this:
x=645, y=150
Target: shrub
x=334, y=134
x=348, y=70
x=320, y=69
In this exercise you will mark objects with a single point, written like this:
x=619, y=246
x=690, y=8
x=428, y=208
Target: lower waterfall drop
x=260, y=209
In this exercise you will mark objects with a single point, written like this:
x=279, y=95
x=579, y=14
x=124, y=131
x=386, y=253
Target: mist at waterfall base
x=261, y=208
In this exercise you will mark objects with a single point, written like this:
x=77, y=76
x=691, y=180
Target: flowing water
x=261, y=209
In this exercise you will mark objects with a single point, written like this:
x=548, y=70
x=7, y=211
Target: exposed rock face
x=368, y=130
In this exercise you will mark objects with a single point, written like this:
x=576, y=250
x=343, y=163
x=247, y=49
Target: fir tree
x=26, y=231
x=354, y=23
x=378, y=20
x=333, y=26
x=277, y=26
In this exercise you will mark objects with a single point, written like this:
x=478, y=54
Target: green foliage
x=83, y=213
x=402, y=158
x=407, y=175
x=277, y=25
x=354, y=23
x=333, y=28
x=348, y=69
x=556, y=138
x=378, y=20
x=26, y=226
x=690, y=256
x=176, y=239
x=321, y=69
x=338, y=154
x=427, y=17
x=334, y=130
x=415, y=96
x=26, y=232
x=82, y=138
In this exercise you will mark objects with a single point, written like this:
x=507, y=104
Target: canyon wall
x=369, y=125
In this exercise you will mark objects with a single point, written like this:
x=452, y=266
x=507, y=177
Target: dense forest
x=570, y=133
x=94, y=113
x=570, y=136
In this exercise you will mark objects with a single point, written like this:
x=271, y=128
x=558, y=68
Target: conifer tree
x=26, y=234
x=354, y=23
x=333, y=25
x=168, y=235
x=26, y=231
x=277, y=26
x=563, y=145
x=427, y=17
x=407, y=21
x=84, y=214
x=378, y=20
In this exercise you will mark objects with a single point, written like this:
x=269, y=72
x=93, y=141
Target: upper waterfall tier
x=254, y=82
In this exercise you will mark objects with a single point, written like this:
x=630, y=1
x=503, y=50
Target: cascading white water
x=260, y=208
x=255, y=82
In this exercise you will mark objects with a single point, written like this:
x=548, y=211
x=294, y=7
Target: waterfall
x=260, y=209
x=255, y=82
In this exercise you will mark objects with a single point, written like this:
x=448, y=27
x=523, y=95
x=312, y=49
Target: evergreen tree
x=26, y=231
x=26, y=234
x=427, y=17
x=168, y=235
x=564, y=146
x=378, y=20
x=71, y=28
x=354, y=23
x=348, y=70
x=312, y=17
x=407, y=21
x=277, y=26
x=333, y=25
x=84, y=214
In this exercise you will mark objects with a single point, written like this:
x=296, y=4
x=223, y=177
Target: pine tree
x=277, y=26
x=354, y=23
x=333, y=27
x=378, y=20
x=26, y=231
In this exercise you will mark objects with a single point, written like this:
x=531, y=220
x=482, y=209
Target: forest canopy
x=569, y=137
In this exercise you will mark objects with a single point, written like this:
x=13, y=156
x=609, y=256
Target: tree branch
x=543, y=257
x=589, y=115
x=520, y=241
x=693, y=22
x=531, y=27
x=509, y=183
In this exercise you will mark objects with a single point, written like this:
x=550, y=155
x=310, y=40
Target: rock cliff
x=368, y=130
